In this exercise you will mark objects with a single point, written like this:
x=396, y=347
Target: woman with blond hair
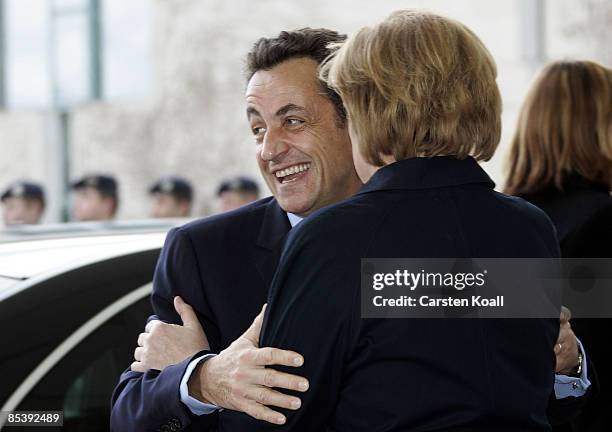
x=561, y=160
x=423, y=107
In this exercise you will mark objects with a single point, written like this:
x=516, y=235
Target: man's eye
x=257, y=131
x=294, y=122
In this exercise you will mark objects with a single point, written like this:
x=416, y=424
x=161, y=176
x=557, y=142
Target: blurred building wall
x=22, y=146
x=193, y=122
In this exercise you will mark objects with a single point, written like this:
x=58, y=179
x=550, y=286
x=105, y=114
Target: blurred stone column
x=533, y=32
x=57, y=166
x=2, y=57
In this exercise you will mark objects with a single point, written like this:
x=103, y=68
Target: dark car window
x=81, y=384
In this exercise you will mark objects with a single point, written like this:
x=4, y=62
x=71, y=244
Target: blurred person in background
x=23, y=202
x=561, y=160
x=236, y=192
x=171, y=197
x=95, y=198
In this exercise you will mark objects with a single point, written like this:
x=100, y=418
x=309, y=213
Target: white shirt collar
x=294, y=219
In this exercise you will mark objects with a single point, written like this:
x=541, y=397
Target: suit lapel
x=272, y=233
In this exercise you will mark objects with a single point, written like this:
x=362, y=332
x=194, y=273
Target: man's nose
x=274, y=146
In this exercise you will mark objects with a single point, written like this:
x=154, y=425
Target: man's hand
x=566, y=348
x=162, y=344
x=238, y=379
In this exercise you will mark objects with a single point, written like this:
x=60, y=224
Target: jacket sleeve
x=563, y=412
x=151, y=401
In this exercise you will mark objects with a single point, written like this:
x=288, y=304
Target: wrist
x=576, y=369
x=197, y=381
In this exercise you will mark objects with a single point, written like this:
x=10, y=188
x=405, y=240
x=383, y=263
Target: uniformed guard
x=172, y=197
x=95, y=198
x=236, y=192
x=23, y=202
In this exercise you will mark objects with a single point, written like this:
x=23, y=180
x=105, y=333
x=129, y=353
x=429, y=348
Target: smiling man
x=302, y=143
x=223, y=265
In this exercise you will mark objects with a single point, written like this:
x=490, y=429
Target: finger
x=252, y=332
x=138, y=353
x=268, y=397
x=186, y=313
x=261, y=412
x=565, y=315
x=137, y=367
x=142, y=337
x=274, y=356
x=273, y=378
x=558, y=348
x=564, y=331
x=151, y=325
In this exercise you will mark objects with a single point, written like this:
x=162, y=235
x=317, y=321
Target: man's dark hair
x=307, y=42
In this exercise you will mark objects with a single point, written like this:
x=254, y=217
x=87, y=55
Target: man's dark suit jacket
x=582, y=213
x=408, y=374
x=222, y=266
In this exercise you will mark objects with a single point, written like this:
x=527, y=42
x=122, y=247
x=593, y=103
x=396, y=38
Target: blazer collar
x=427, y=173
x=274, y=226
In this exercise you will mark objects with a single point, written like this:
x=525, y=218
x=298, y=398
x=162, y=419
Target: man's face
x=19, y=210
x=303, y=154
x=230, y=200
x=90, y=205
x=167, y=206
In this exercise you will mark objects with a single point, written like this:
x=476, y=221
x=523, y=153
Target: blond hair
x=564, y=127
x=418, y=84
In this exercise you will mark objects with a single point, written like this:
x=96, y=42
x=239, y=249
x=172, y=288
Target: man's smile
x=291, y=173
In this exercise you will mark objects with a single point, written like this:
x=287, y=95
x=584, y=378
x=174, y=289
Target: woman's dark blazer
x=410, y=374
